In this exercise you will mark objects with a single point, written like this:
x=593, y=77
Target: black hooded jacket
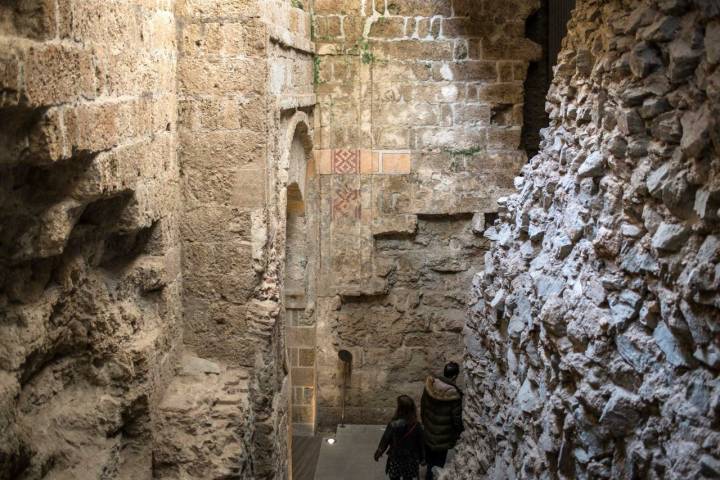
x=441, y=412
x=403, y=441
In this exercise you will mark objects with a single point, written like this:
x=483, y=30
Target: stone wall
x=133, y=131
x=417, y=134
x=223, y=128
x=592, y=345
x=244, y=73
x=90, y=315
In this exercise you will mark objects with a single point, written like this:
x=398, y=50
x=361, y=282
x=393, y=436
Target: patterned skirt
x=404, y=467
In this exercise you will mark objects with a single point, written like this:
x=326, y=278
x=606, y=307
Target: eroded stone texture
x=592, y=344
x=140, y=138
x=90, y=313
x=202, y=423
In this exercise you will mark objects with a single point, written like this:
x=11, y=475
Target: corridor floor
x=351, y=456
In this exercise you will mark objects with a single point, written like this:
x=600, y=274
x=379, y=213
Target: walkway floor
x=305, y=453
x=351, y=456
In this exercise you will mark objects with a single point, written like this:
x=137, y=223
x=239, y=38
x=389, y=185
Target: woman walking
x=403, y=439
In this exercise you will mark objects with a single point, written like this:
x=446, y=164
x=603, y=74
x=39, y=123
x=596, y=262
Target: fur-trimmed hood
x=441, y=389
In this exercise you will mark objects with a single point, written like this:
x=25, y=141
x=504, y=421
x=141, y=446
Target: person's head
x=452, y=370
x=406, y=409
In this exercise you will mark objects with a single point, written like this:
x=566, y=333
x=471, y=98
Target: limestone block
x=56, y=74
x=696, y=132
x=670, y=236
x=51, y=231
x=199, y=76
x=202, y=10
x=414, y=50
x=388, y=28
x=712, y=40
x=345, y=7
x=117, y=24
x=419, y=8
x=517, y=49
x=31, y=19
x=246, y=38
x=508, y=93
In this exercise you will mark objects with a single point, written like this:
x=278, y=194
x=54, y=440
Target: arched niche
x=296, y=260
x=298, y=155
x=298, y=272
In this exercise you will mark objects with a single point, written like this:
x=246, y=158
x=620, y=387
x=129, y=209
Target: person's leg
x=430, y=460
x=442, y=458
x=434, y=458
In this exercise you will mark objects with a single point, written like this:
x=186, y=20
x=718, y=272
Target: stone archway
x=298, y=276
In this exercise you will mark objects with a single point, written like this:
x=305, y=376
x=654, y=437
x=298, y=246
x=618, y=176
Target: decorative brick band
x=343, y=161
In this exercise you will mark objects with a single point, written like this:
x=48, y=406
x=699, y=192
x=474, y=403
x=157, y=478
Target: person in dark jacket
x=441, y=411
x=403, y=439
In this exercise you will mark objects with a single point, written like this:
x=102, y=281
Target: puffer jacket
x=441, y=412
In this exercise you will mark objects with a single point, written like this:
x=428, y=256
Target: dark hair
x=406, y=409
x=452, y=370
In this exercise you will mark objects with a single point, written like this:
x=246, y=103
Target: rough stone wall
x=244, y=70
x=89, y=249
x=294, y=249
x=593, y=343
x=98, y=194
x=417, y=134
x=222, y=82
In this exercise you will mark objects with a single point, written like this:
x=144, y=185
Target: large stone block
x=118, y=23
x=222, y=38
x=222, y=151
x=405, y=50
x=224, y=113
x=501, y=93
x=219, y=75
x=204, y=10
x=216, y=223
x=388, y=27
x=469, y=71
x=56, y=74
x=340, y=7
x=419, y=8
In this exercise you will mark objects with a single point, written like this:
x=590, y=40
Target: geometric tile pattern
x=346, y=203
x=342, y=161
x=345, y=161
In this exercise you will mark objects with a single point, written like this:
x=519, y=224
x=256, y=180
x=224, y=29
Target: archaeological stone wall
x=245, y=87
x=90, y=313
x=140, y=139
x=417, y=134
x=592, y=347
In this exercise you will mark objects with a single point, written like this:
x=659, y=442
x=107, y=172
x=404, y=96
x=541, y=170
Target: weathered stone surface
x=157, y=187
x=598, y=379
x=593, y=166
x=670, y=236
x=202, y=422
x=435, y=87
x=121, y=238
x=90, y=295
